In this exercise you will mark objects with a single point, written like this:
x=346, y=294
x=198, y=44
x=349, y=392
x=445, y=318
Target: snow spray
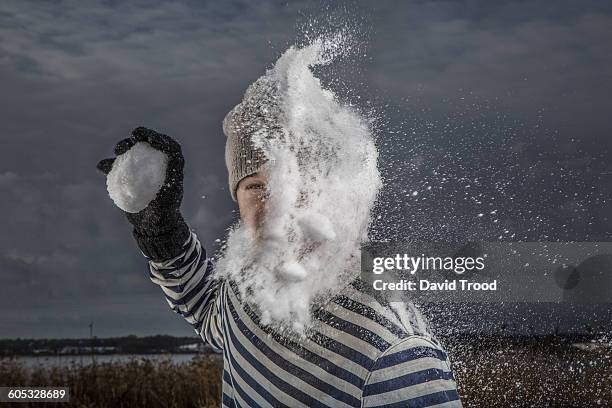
x=323, y=183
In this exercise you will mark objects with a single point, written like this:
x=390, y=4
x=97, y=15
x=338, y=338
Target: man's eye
x=255, y=186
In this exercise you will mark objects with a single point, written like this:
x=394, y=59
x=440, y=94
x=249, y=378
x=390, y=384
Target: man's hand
x=159, y=228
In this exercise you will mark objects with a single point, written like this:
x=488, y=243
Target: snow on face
x=136, y=177
x=323, y=181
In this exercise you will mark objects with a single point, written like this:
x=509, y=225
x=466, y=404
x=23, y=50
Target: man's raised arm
x=145, y=180
x=191, y=290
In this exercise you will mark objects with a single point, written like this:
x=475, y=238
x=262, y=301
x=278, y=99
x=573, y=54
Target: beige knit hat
x=258, y=115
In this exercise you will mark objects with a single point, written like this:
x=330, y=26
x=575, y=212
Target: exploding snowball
x=136, y=177
x=323, y=182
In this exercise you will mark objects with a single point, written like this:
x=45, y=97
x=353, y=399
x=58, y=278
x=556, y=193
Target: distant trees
x=119, y=345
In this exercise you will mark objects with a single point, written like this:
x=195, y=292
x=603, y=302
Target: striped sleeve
x=191, y=290
x=415, y=372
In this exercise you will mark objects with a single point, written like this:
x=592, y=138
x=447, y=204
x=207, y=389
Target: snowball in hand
x=136, y=177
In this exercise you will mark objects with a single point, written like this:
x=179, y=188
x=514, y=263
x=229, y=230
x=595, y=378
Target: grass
x=500, y=373
x=532, y=372
x=135, y=383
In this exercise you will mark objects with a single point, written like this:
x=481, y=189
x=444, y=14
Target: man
x=357, y=353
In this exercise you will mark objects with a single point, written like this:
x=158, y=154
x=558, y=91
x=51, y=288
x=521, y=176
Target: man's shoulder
x=371, y=323
x=403, y=317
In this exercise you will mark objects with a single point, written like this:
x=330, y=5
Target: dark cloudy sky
x=510, y=99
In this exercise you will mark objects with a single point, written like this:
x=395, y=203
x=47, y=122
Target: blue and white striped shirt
x=357, y=353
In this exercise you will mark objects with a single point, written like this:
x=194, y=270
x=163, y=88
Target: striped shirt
x=357, y=353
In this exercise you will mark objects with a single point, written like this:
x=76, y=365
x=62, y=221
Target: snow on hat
x=258, y=117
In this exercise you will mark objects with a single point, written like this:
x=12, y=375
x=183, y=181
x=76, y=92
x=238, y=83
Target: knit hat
x=251, y=124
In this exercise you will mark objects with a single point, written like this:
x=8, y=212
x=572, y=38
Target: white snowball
x=317, y=227
x=293, y=271
x=136, y=177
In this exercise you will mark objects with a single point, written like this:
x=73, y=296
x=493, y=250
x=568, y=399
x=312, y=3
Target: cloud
x=526, y=62
x=77, y=77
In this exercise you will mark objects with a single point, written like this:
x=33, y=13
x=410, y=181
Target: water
x=67, y=360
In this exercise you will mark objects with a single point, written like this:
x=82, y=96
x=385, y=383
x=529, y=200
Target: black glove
x=159, y=229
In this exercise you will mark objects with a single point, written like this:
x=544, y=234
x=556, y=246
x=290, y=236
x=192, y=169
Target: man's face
x=251, y=195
